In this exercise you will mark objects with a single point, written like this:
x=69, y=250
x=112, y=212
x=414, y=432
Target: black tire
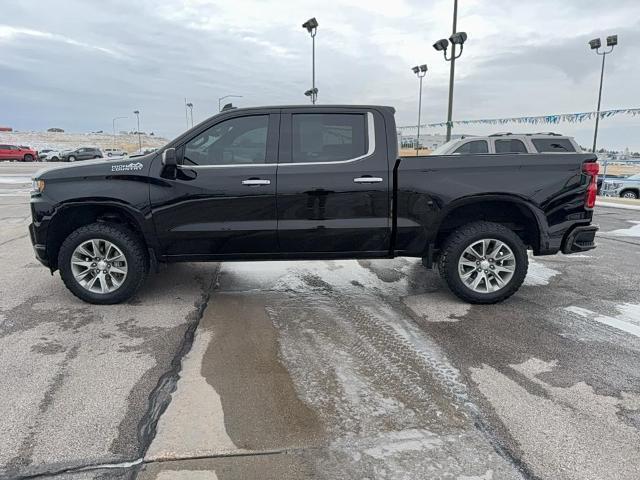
x=54, y=159
x=128, y=242
x=463, y=237
x=96, y=157
x=28, y=157
x=71, y=158
x=628, y=194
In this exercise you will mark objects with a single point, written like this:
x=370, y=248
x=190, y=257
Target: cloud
x=78, y=64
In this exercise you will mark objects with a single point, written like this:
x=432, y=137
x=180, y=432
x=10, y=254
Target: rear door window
x=553, y=145
x=328, y=137
x=510, y=146
x=474, y=147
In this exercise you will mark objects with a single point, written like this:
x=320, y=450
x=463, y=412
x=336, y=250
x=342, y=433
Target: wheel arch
x=634, y=189
x=514, y=212
x=73, y=215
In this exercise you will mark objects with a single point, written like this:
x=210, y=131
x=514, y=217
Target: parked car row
x=21, y=153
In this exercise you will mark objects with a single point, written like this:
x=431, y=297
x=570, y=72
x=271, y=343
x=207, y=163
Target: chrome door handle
x=367, y=180
x=256, y=182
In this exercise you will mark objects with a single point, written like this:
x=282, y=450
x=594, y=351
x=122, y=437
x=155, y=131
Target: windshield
x=634, y=177
x=444, y=147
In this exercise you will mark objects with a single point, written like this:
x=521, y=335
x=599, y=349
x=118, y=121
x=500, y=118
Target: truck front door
x=223, y=199
x=333, y=182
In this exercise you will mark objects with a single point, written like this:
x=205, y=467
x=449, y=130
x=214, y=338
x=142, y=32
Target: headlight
x=37, y=186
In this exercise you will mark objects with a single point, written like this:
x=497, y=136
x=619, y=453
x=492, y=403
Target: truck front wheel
x=103, y=263
x=483, y=262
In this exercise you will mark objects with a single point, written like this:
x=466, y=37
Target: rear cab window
x=550, y=145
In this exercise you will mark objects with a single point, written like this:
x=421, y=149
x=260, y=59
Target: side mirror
x=169, y=158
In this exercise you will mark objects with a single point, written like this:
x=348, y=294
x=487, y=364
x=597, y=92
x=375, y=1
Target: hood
x=99, y=167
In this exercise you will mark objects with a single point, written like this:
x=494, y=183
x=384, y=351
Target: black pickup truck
x=309, y=182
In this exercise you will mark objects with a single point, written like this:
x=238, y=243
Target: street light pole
x=420, y=71
x=137, y=112
x=226, y=96
x=311, y=26
x=595, y=44
x=452, y=71
x=186, y=114
x=113, y=122
x=456, y=38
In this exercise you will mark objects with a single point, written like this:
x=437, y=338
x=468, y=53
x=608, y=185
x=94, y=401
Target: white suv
x=114, y=152
x=510, y=143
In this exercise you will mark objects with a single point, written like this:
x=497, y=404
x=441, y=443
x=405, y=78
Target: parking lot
x=326, y=369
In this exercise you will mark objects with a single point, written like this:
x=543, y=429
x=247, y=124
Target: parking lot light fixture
x=456, y=38
x=190, y=105
x=311, y=26
x=596, y=44
x=226, y=96
x=420, y=71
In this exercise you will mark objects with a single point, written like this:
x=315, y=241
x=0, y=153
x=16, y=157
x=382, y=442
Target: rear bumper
x=580, y=239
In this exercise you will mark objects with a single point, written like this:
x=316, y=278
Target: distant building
x=55, y=130
x=6, y=129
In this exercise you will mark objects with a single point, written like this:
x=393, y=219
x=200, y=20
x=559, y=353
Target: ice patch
x=628, y=321
x=539, y=274
x=487, y=476
x=407, y=440
x=437, y=307
x=627, y=232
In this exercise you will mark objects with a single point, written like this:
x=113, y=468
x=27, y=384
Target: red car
x=17, y=153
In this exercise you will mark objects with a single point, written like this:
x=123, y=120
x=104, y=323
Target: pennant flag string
x=542, y=119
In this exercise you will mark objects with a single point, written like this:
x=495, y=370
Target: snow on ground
x=71, y=141
x=633, y=231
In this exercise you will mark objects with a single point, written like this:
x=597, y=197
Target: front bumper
x=580, y=239
x=40, y=249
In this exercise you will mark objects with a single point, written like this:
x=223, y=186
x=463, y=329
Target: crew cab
x=18, y=153
x=309, y=182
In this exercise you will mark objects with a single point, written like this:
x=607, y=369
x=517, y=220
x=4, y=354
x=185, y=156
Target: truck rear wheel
x=483, y=262
x=103, y=263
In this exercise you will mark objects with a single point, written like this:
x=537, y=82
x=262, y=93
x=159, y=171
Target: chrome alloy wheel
x=486, y=265
x=99, y=266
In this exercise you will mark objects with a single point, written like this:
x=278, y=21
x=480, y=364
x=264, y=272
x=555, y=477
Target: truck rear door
x=333, y=182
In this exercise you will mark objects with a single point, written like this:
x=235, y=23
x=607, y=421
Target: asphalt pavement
x=324, y=369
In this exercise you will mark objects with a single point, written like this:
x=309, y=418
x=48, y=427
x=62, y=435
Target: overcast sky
x=77, y=64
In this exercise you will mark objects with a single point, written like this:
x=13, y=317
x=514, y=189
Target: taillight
x=591, y=169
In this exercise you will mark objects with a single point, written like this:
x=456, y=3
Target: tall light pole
x=226, y=96
x=456, y=38
x=114, y=129
x=190, y=105
x=420, y=71
x=186, y=113
x=311, y=26
x=595, y=44
x=137, y=113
